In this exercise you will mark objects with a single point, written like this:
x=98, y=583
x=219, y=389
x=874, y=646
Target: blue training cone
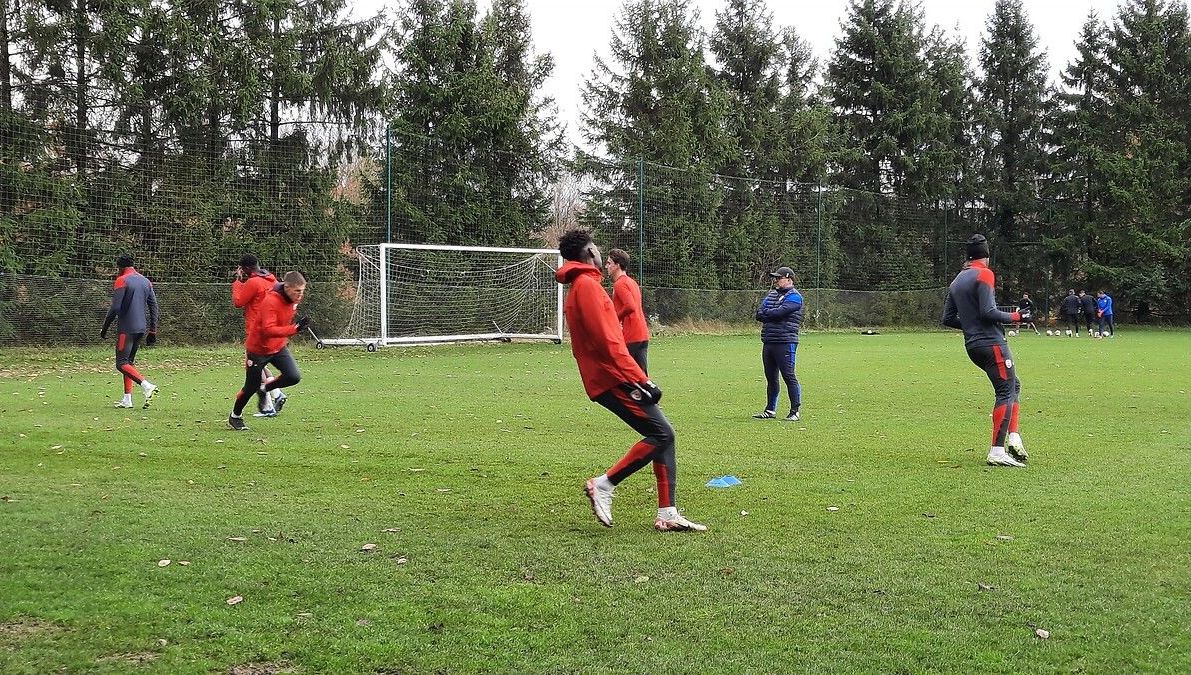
x=731, y=480
x=717, y=483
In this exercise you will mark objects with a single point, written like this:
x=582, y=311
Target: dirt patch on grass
x=131, y=658
x=22, y=629
x=262, y=668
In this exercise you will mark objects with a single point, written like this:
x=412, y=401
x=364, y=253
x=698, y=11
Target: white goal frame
x=383, y=339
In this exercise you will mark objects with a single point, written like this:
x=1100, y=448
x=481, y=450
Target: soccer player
x=780, y=314
x=1087, y=307
x=614, y=380
x=267, y=342
x=972, y=307
x=1070, y=309
x=626, y=299
x=1106, y=324
x=248, y=290
x=134, y=305
x=1026, y=306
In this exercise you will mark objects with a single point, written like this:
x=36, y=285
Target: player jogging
x=626, y=300
x=248, y=290
x=267, y=342
x=132, y=295
x=972, y=307
x=614, y=380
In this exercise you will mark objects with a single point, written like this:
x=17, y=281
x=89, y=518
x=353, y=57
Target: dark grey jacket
x=972, y=307
x=133, y=303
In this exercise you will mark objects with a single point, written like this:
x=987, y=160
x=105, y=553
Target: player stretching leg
x=132, y=295
x=614, y=380
x=269, y=336
x=972, y=307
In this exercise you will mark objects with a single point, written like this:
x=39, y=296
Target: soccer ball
x=1012, y=333
x=1096, y=334
x=1068, y=332
x=1049, y=333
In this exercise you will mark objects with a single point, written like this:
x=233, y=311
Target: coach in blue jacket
x=780, y=315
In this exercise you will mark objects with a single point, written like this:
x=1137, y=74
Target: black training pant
x=640, y=353
x=997, y=362
x=254, y=364
x=657, y=446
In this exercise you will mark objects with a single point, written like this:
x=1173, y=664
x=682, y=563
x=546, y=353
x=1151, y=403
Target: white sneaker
x=150, y=389
x=1016, y=448
x=998, y=457
x=122, y=404
x=601, y=502
x=677, y=523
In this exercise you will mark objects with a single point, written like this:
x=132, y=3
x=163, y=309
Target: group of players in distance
x=609, y=340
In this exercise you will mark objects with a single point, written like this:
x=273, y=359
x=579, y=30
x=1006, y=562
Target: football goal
x=424, y=294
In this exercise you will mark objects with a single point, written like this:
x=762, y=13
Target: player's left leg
x=790, y=376
x=771, y=358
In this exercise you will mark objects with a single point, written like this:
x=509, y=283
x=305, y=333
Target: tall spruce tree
x=655, y=100
x=1142, y=244
x=1012, y=106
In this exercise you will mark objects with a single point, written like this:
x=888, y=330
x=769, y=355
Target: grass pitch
x=464, y=466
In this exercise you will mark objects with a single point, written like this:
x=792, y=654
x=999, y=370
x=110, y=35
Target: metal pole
x=640, y=220
x=819, y=246
x=388, y=186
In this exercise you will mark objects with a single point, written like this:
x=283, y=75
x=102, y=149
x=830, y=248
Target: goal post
x=425, y=294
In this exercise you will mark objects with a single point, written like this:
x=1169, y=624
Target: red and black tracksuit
x=972, y=307
x=626, y=299
x=268, y=336
x=134, y=308
x=609, y=374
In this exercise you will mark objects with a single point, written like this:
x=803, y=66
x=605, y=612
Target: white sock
x=1015, y=438
x=603, y=483
x=239, y=417
x=997, y=450
x=127, y=400
x=668, y=513
x=146, y=385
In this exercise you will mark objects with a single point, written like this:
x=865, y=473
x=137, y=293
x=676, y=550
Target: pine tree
x=1012, y=107
x=656, y=100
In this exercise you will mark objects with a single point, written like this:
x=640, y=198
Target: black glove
x=303, y=323
x=151, y=338
x=646, y=392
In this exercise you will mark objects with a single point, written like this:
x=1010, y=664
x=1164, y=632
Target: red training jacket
x=274, y=323
x=626, y=297
x=596, y=340
x=248, y=294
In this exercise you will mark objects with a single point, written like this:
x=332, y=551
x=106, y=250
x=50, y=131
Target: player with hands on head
x=251, y=285
x=613, y=379
x=971, y=306
x=134, y=308
x=267, y=344
x=780, y=314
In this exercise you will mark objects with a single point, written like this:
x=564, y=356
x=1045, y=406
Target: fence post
x=641, y=220
x=388, y=186
x=819, y=245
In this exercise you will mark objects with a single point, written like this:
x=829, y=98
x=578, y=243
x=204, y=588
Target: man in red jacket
x=266, y=344
x=250, y=287
x=626, y=299
x=614, y=380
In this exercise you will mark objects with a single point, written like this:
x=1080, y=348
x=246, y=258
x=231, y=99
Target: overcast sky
x=573, y=31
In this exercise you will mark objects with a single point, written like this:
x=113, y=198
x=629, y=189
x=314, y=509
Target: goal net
x=423, y=294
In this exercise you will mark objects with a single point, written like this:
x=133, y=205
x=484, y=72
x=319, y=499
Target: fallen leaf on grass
x=237, y=538
x=363, y=622
x=344, y=446
x=368, y=547
x=744, y=513
x=1004, y=537
x=184, y=563
x=1042, y=633
x=391, y=529
x=56, y=447
x=443, y=490
x=833, y=508
x=163, y=563
x=142, y=454
x=640, y=579
x=985, y=587
x=402, y=560
x=235, y=600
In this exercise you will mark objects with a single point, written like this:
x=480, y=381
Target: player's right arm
x=117, y=302
x=241, y=294
x=951, y=313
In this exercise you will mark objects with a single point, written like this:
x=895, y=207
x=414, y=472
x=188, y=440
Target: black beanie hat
x=977, y=247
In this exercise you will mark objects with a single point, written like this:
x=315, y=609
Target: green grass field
x=464, y=466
